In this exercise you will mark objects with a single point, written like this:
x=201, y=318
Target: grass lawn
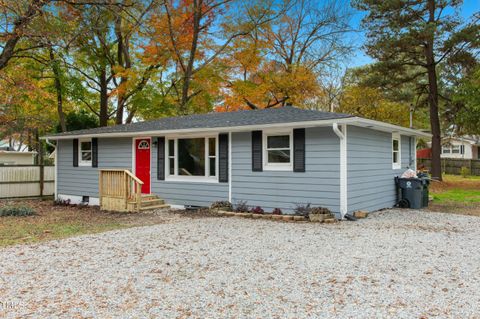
x=456, y=195
x=53, y=222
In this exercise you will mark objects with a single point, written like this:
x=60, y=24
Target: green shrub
x=241, y=206
x=226, y=205
x=302, y=210
x=16, y=211
x=320, y=210
x=465, y=171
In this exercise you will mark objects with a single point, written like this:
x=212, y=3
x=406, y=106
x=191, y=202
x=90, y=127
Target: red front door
x=142, y=162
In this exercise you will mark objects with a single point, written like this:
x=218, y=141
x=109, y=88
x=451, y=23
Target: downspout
x=56, y=166
x=342, y=135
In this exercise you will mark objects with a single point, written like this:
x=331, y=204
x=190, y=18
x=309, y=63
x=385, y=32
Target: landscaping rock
x=299, y=218
x=329, y=220
x=360, y=214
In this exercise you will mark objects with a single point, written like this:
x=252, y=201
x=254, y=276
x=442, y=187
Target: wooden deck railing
x=119, y=187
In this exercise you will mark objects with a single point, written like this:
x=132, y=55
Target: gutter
x=342, y=135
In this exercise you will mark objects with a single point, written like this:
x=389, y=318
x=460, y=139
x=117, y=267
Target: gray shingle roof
x=287, y=114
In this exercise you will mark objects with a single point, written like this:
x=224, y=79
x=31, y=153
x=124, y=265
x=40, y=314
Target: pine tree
x=418, y=34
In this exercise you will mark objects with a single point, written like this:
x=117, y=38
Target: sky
x=360, y=58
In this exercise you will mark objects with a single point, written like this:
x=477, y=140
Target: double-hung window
x=85, y=152
x=192, y=158
x=277, y=150
x=396, y=151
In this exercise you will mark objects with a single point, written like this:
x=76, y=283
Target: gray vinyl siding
x=82, y=180
x=186, y=193
x=370, y=175
x=319, y=185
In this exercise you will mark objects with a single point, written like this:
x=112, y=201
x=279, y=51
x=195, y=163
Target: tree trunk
x=197, y=16
x=123, y=60
x=103, y=98
x=18, y=28
x=58, y=89
x=433, y=98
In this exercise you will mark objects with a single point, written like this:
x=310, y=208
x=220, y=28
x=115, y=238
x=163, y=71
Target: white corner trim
x=230, y=167
x=55, y=176
x=75, y=199
x=342, y=134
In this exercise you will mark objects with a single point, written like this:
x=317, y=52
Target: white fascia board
x=357, y=121
x=207, y=130
x=382, y=126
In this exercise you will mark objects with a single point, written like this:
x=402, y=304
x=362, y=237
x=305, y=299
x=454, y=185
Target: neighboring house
x=16, y=158
x=13, y=152
x=273, y=158
x=465, y=147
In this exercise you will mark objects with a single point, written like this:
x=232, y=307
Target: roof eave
x=347, y=120
x=382, y=126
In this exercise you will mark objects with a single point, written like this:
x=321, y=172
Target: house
x=273, y=158
x=17, y=158
x=464, y=147
x=455, y=147
x=13, y=152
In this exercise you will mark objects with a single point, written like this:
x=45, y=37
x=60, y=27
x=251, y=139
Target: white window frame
x=277, y=166
x=182, y=178
x=80, y=161
x=398, y=164
x=456, y=149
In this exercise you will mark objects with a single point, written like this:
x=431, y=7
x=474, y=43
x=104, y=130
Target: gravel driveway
x=395, y=264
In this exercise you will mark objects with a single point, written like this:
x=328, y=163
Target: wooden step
x=152, y=202
x=149, y=196
x=154, y=207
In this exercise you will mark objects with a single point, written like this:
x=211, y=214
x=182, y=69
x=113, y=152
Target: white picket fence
x=26, y=181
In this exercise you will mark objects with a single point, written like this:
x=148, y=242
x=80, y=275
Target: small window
x=85, y=152
x=277, y=151
x=396, y=152
x=144, y=145
x=446, y=149
x=456, y=149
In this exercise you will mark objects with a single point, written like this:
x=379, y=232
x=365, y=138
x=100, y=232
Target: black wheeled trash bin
x=411, y=192
x=426, y=184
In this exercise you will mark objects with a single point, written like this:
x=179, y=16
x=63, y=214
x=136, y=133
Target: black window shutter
x=94, y=152
x=223, y=158
x=161, y=158
x=299, y=150
x=257, y=162
x=75, y=152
